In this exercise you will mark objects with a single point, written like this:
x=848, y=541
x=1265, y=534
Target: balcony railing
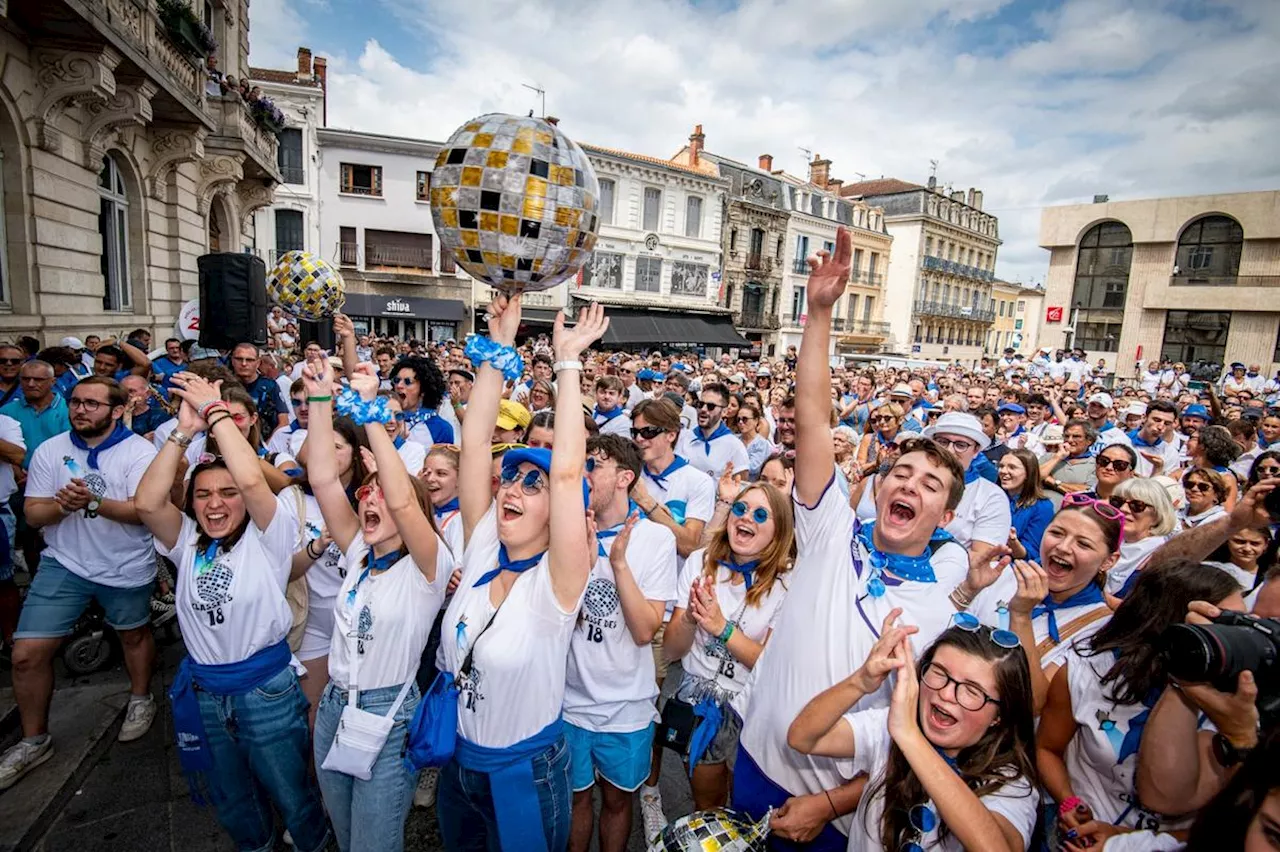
x=875, y=279
x=837, y=323
x=348, y=254
x=401, y=257
x=1224, y=281
x=757, y=319
x=754, y=260
x=964, y=312
x=544, y=299
x=866, y=327
x=293, y=174
x=800, y=266
x=942, y=265
x=857, y=275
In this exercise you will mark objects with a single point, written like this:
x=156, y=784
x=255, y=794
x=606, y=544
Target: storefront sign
x=397, y=306
x=1053, y=313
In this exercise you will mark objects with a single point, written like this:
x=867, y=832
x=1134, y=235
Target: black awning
x=631, y=328
x=406, y=307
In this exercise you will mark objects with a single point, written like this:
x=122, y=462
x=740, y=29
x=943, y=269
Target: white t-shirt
x=619, y=424
x=97, y=549
x=824, y=632
x=11, y=431
x=516, y=687
x=990, y=602
x=610, y=682
x=687, y=493
x=414, y=455
x=236, y=606
x=1098, y=774
x=633, y=397
x=387, y=618
x=711, y=457
x=1132, y=555
x=450, y=526
x=279, y=442
x=983, y=514
x=1241, y=576
x=1016, y=800
x=708, y=658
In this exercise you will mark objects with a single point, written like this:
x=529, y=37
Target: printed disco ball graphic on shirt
x=306, y=286
x=717, y=830
x=516, y=202
x=601, y=599
x=213, y=585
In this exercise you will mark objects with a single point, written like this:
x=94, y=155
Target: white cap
x=1135, y=409
x=72, y=343
x=1103, y=399
x=901, y=390
x=1052, y=434
x=960, y=423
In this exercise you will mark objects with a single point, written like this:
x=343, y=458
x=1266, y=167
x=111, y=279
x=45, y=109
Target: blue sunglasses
x=531, y=483
x=923, y=820
x=759, y=514
x=969, y=622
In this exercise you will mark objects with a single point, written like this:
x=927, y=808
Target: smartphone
x=1196, y=385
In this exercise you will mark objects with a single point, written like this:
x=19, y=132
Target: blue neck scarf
x=605, y=534
x=418, y=415
x=451, y=506
x=949, y=760
x=884, y=442
x=118, y=434
x=720, y=432
x=660, y=479
x=505, y=563
x=917, y=569
x=607, y=415
x=399, y=441
x=981, y=468
x=1136, y=437
x=378, y=563
x=746, y=569
x=1090, y=594
x=294, y=425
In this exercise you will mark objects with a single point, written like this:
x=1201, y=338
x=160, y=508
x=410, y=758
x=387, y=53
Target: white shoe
x=137, y=720
x=651, y=811
x=21, y=759
x=425, y=795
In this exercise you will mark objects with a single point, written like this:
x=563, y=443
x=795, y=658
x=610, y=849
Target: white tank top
x=866, y=510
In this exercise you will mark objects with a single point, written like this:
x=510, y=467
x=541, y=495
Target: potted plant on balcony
x=266, y=114
x=186, y=29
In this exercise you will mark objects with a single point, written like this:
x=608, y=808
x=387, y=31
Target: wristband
x=203, y=410
x=566, y=365
x=723, y=638
x=1070, y=803
x=215, y=422
x=182, y=439
x=328, y=398
x=505, y=359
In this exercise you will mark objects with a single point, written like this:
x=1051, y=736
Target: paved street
x=133, y=796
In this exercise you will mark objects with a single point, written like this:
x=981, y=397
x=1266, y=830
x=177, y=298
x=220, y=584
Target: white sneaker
x=651, y=811
x=425, y=795
x=137, y=720
x=21, y=759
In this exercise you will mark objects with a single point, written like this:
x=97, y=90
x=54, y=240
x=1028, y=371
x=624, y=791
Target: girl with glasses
x=1266, y=464
x=393, y=571
x=1115, y=463
x=952, y=759
x=421, y=388
x=1213, y=447
x=244, y=414
x=1092, y=725
x=506, y=634
x=1205, y=491
x=883, y=424
x=727, y=595
x=1149, y=519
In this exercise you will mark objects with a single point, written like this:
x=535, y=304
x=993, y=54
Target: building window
x=856, y=266
x=1022, y=305
x=928, y=245
x=797, y=304
x=1001, y=307
x=652, y=207
x=347, y=246
x=604, y=270
x=853, y=305
x=779, y=252
x=1210, y=248
x=1102, y=267
x=289, y=156
x=289, y=234
x=397, y=250
x=648, y=274
x=1097, y=336
x=424, y=186
x=361, y=180
x=689, y=279
x=867, y=308
x=113, y=226
x=918, y=335
x=606, y=201
x=1193, y=335
x=693, y=217
x=733, y=239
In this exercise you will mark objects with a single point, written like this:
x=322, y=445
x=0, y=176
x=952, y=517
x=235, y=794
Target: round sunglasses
x=759, y=514
x=532, y=482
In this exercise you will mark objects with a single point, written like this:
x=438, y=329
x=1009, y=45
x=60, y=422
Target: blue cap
x=1196, y=410
x=1011, y=406
x=647, y=375
x=539, y=457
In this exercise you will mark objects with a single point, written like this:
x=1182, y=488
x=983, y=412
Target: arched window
x=113, y=226
x=1102, y=282
x=1210, y=248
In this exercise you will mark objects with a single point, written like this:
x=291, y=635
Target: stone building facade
x=120, y=163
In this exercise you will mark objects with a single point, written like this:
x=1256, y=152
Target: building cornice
x=359, y=141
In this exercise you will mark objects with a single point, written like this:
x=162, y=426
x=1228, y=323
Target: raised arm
x=475, y=461
x=570, y=557
x=241, y=460
x=815, y=456
x=322, y=455
x=1200, y=541
x=152, y=499
x=345, y=332
x=416, y=530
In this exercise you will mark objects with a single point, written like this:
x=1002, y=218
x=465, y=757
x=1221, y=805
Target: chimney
x=969, y=199
x=766, y=163
x=976, y=203
x=551, y=119
x=696, y=140
x=958, y=195
x=304, y=63
x=834, y=185
x=819, y=170
x=320, y=69
x=933, y=183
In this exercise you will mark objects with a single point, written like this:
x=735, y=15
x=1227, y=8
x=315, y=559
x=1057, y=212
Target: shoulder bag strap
x=465, y=668
x=1047, y=644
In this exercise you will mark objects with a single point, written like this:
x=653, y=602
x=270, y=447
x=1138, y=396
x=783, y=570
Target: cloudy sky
x=1035, y=102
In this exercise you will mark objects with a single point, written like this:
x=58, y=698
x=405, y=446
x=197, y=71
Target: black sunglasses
x=646, y=432
x=1118, y=465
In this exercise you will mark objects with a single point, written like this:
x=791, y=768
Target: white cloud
x=1088, y=99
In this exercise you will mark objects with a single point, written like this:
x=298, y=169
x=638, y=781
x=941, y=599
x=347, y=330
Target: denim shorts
x=622, y=759
x=57, y=597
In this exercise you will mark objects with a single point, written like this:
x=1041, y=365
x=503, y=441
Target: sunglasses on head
x=1118, y=465
x=531, y=482
x=1103, y=509
x=1135, y=506
x=969, y=623
x=759, y=514
x=646, y=432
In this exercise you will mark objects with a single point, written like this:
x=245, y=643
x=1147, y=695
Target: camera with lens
x=1218, y=652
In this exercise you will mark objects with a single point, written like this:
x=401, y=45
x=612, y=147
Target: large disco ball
x=515, y=201
x=306, y=286
x=716, y=830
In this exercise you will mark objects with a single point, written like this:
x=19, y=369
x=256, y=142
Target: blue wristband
x=376, y=410
x=481, y=350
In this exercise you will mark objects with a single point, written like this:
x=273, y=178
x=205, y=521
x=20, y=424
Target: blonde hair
x=774, y=561
x=1154, y=495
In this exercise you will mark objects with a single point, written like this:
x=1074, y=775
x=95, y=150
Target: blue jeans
x=367, y=815
x=464, y=804
x=259, y=746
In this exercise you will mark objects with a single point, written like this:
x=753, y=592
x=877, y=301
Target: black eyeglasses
x=646, y=432
x=968, y=695
x=1118, y=465
x=709, y=406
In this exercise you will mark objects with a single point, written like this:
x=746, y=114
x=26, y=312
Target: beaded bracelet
x=362, y=411
x=481, y=350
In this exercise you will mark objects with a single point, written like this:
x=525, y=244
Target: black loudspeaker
x=320, y=331
x=233, y=300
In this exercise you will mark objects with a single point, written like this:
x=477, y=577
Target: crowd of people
x=885, y=609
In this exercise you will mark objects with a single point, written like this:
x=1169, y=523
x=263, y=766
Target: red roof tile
x=880, y=186
x=645, y=158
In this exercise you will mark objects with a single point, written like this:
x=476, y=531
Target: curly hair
x=1217, y=446
x=428, y=376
